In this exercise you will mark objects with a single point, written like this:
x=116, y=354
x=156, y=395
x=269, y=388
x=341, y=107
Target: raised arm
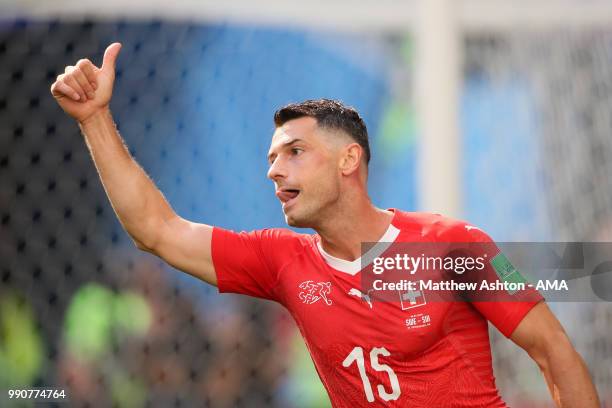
x=567, y=377
x=84, y=92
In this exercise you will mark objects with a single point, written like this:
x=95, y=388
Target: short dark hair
x=330, y=114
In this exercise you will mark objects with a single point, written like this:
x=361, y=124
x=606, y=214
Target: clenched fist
x=84, y=89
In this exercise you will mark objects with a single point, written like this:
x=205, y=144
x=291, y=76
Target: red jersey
x=410, y=353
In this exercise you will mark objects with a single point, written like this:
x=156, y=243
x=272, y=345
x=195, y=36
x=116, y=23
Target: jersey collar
x=353, y=267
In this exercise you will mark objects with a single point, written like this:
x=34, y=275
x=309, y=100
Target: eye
x=296, y=150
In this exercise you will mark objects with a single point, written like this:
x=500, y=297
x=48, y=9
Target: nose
x=277, y=170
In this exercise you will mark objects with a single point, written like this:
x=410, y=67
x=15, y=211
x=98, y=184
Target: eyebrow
x=287, y=143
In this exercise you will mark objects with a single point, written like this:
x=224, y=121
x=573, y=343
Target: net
x=537, y=131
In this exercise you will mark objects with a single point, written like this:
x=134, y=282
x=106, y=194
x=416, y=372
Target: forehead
x=304, y=128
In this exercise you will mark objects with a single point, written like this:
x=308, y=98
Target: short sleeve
x=248, y=263
x=502, y=305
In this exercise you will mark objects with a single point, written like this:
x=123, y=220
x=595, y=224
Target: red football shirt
x=409, y=353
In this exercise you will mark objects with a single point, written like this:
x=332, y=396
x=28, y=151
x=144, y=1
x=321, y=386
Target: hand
x=84, y=89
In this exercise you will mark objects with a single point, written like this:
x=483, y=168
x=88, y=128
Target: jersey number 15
x=357, y=355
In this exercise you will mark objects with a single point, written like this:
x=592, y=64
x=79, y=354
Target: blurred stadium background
x=497, y=112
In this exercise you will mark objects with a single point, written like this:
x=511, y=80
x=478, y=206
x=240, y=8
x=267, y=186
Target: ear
x=350, y=158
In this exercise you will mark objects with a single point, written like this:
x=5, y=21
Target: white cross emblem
x=412, y=298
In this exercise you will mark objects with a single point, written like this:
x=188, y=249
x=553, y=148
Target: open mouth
x=287, y=195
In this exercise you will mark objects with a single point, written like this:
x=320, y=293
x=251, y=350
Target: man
x=366, y=353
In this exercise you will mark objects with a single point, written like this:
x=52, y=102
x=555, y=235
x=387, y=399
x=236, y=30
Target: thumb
x=110, y=57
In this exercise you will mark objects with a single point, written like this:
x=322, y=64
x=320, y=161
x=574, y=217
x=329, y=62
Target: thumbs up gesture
x=84, y=89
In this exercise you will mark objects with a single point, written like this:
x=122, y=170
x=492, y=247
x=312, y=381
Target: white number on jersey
x=357, y=355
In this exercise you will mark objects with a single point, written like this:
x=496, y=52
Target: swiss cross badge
x=412, y=298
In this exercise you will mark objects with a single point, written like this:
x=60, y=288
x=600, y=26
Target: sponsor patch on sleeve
x=506, y=271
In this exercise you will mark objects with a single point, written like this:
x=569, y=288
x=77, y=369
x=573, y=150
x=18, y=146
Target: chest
x=334, y=313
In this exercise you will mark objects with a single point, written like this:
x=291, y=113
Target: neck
x=358, y=221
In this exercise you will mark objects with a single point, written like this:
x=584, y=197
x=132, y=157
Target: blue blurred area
x=217, y=128
x=503, y=191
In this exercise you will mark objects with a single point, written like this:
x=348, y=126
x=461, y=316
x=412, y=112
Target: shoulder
x=281, y=239
x=438, y=227
x=286, y=237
